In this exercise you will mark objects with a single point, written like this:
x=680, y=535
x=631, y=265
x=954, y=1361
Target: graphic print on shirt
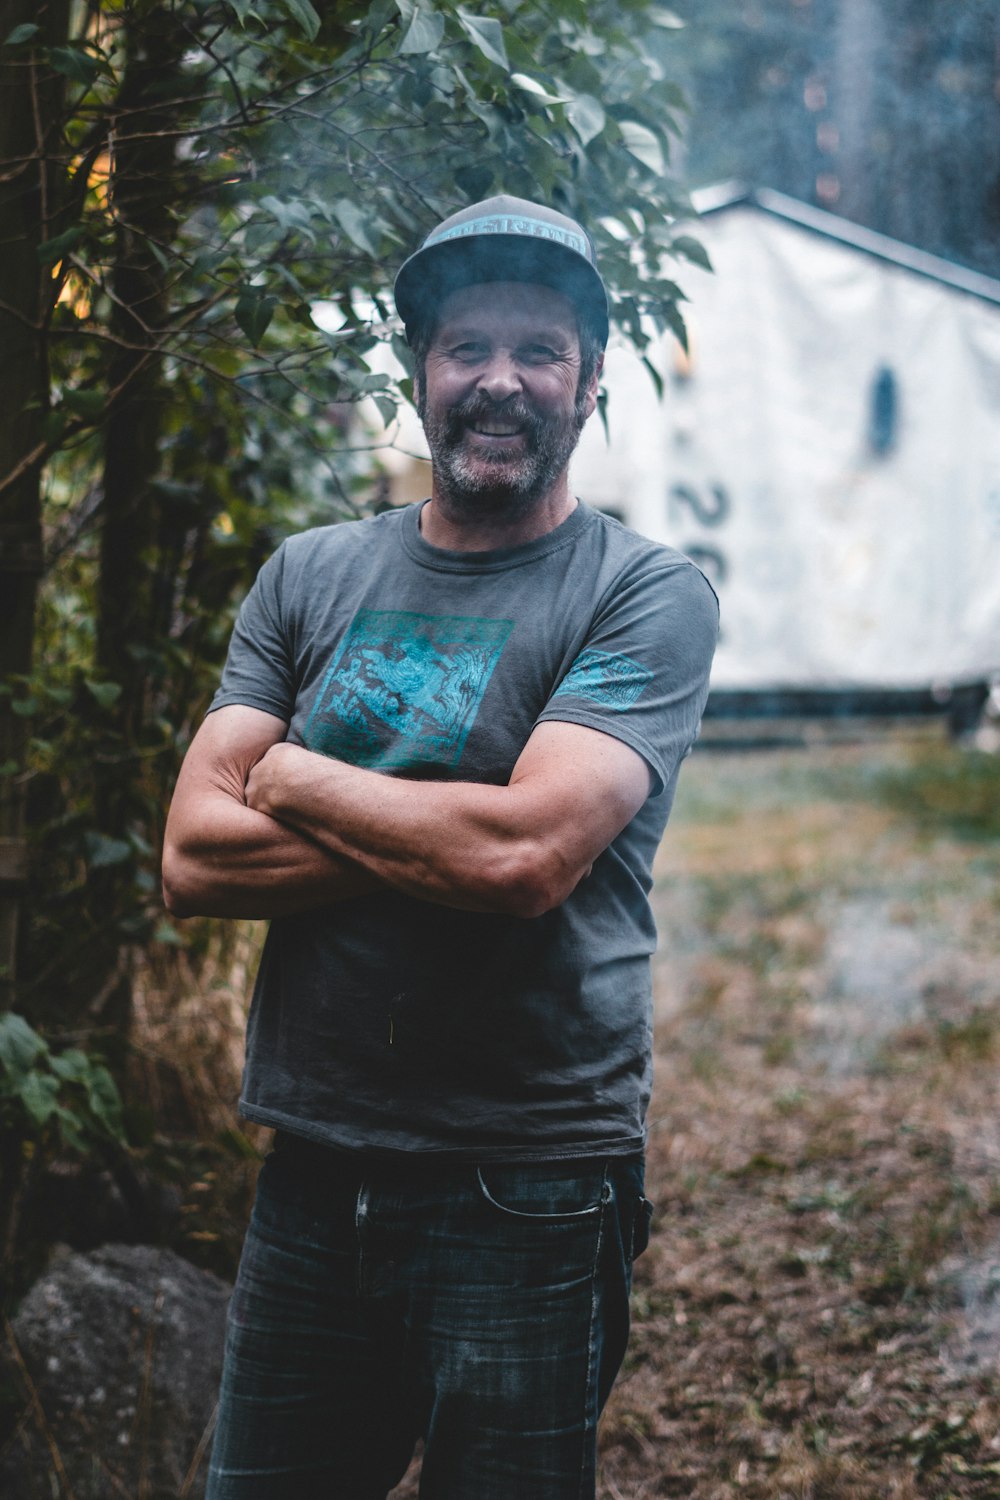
x=609, y=678
x=404, y=689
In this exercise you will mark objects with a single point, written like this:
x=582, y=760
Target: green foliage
x=47, y=1099
x=230, y=187
x=315, y=151
x=957, y=791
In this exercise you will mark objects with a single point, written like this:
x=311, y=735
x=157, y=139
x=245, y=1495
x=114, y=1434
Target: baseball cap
x=503, y=239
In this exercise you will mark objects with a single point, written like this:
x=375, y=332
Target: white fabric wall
x=838, y=567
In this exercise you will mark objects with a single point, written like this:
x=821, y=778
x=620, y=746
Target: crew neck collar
x=447, y=560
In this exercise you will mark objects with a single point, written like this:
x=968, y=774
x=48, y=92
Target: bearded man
x=440, y=760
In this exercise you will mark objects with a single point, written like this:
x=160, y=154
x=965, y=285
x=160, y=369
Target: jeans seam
x=360, y=1212
x=590, y=1392
x=562, y=1218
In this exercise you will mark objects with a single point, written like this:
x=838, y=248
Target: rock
x=124, y=1348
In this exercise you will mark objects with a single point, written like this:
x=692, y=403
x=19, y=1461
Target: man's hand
x=520, y=848
x=278, y=767
x=224, y=858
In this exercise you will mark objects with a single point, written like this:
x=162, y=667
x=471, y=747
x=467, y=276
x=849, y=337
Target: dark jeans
x=483, y=1309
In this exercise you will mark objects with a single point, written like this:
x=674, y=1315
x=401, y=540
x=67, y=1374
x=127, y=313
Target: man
x=441, y=758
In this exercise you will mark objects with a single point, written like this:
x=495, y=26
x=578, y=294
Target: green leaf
x=24, y=707
x=654, y=375
x=292, y=215
x=253, y=312
x=105, y=1100
x=352, y=222
x=72, y=1066
x=69, y=1129
x=39, y=1094
x=692, y=250
x=539, y=91
x=474, y=180
x=486, y=33
x=49, y=251
x=74, y=63
x=587, y=117
x=87, y=404
x=22, y=34
x=301, y=313
x=106, y=694
x=102, y=852
x=241, y=9
x=602, y=412
x=402, y=351
x=387, y=408
x=424, y=32
x=20, y=1045
x=364, y=382
x=302, y=12
x=676, y=324
x=641, y=143
x=659, y=16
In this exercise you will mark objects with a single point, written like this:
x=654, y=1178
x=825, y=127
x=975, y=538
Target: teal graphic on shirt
x=404, y=689
x=611, y=679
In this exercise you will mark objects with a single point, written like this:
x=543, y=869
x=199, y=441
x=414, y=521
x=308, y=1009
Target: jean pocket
x=547, y=1191
x=640, y=1226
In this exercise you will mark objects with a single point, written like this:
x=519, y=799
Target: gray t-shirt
x=385, y=1023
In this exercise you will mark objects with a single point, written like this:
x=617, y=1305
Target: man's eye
x=541, y=353
x=469, y=350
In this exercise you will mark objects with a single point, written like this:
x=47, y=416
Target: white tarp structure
x=830, y=454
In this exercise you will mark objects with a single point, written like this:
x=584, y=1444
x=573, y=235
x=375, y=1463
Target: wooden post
x=30, y=99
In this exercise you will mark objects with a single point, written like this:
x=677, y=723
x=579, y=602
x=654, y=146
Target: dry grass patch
x=818, y=1316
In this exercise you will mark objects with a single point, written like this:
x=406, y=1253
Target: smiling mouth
x=495, y=429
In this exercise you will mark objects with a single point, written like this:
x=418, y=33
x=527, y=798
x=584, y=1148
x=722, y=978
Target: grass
x=818, y=1316
x=956, y=792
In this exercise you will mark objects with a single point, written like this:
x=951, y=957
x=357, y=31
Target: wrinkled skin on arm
x=224, y=858
x=520, y=848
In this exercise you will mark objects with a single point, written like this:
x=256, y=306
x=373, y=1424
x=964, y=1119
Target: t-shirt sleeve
x=642, y=674
x=259, y=670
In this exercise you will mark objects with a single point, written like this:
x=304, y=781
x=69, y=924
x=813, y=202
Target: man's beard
x=502, y=486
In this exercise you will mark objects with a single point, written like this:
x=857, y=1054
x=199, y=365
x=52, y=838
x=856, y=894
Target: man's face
x=499, y=396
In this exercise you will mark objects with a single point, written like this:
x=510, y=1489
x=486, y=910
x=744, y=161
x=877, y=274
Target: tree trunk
x=143, y=188
x=862, y=157
x=30, y=106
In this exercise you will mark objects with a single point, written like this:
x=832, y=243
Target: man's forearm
x=236, y=862
x=431, y=840
x=520, y=849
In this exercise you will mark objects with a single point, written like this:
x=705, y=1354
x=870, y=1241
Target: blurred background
x=797, y=207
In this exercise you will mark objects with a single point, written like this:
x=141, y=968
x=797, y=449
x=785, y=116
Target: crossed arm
x=260, y=828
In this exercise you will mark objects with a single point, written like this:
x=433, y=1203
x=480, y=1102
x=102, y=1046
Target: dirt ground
x=818, y=1314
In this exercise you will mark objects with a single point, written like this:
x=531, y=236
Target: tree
x=187, y=181
x=885, y=111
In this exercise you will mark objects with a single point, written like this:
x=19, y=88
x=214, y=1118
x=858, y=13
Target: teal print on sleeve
x=608, y=678
x=404, y=689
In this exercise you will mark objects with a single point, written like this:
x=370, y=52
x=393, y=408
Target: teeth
x=496, y=429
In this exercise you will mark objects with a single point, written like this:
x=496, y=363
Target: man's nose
x=500, y=377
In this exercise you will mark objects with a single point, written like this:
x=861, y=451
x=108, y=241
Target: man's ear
x=590, y=404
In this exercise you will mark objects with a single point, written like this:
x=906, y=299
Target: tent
x=828, y=452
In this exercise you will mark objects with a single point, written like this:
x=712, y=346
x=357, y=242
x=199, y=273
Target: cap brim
x=430, y=274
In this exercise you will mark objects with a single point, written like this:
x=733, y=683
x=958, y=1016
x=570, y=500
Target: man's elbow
x=179, y=884
x=535, y=882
